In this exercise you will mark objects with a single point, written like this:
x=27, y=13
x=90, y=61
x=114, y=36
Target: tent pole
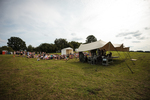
x=125, y=62
x=130, y=58
x=109, y=46
x=124, y=54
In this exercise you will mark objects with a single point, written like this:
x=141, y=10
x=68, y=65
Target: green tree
x=37, y=49
x=10, y=49
x=16, y=43
x=30, y=48
x=43, y=47
x=53, y=48
x=61, y=43
x=46, y=47
x=6, y=48
x=74, y=44
x=91, y=38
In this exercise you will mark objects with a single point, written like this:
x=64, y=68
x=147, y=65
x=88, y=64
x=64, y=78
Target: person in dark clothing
x=102, y=53
x=21, y=53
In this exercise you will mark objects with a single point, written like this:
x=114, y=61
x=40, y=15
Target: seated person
x=48, y=56
x=45, y=57
x=69, y=56
x=41, y=56
x=59, y=57
x=66, y=58
x=37, y=56
x=54, y=56
x=51, y=56
x=110, y=54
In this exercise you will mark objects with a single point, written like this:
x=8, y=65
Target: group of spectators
x=44, y=55
x=20, y=53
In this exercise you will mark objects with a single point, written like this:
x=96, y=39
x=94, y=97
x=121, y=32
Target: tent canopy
x=102, y=45
x=96, y=45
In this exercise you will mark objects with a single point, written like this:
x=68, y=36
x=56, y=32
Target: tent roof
x=92, y=46
x=68, y=48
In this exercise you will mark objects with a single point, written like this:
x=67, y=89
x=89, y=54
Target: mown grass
x=23, y=78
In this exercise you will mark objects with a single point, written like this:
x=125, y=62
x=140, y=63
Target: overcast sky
x=42, y=21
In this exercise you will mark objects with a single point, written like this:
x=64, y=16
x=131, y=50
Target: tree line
x=17, y=44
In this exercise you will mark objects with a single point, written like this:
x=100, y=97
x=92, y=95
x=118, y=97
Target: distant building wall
x=126, y=49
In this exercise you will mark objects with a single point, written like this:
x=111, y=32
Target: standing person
x=104, y=52
x=44, y=54
x=33, y=54
x=24, y=53
x=14, y=53
x=28, y=54
x=21, y=53
x=18, y=53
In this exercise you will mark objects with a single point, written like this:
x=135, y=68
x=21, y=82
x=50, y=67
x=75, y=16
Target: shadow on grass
x=93, y=90
x=115, y=62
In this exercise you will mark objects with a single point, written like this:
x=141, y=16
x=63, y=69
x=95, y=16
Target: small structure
x=118, y=47
x=66, y=51
x=4, y=52
x=126, y=49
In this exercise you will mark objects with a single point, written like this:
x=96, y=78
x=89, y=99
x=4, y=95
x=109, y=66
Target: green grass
x=23, y=78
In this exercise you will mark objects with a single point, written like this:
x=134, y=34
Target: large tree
x=74, y=44
x=46, y=47
x=16, y=43
x=91, y=38
x=30, y=48
x=61, y=43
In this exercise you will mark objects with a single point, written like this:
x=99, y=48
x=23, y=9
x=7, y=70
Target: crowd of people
x=44, y=55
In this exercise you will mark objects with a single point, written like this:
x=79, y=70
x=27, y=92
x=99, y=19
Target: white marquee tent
x=96, y=45
x=102, y=45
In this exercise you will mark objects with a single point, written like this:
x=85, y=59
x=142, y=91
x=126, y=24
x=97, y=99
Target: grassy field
x=23, y=78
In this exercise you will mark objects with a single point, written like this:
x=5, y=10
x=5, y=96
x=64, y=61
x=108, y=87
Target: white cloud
x=43, y=21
